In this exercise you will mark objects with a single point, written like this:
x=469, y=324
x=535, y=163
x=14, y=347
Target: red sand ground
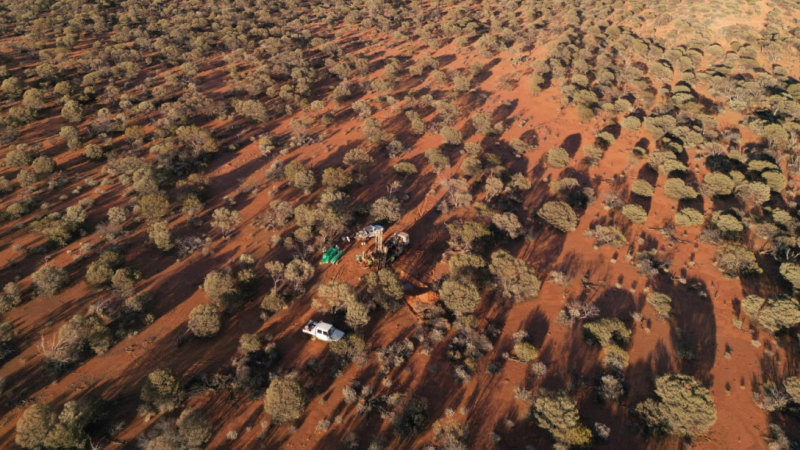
x=488, y=400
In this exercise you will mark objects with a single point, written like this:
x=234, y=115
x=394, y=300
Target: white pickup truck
x=323, y=331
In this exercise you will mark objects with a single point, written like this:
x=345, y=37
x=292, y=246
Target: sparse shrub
x=687, y=217
x=507, y=222
x=284, y=400
x=634, y=213
x=204, y=321
x=734, y=259
x=607, y=236
x=413, y=418
x=560, y=215
x=520, y=147
x=660, y=302
x=684, y=407
x=611, y=388
x=194, y=428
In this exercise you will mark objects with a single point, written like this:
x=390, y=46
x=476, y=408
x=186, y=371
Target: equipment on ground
x=382, y=253
x=323, y=331
x=332, y=255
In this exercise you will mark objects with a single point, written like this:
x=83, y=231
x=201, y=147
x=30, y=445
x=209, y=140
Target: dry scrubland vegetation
x=602, y=194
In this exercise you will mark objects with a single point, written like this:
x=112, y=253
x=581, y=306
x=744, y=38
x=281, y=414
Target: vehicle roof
x=324, y=326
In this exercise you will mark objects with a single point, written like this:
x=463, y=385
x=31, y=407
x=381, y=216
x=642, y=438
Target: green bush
x=557, y=157
x=49, y=280
x=153, y=206
x=225, y=220
x=642, y=188
x=525, y=351
x=684, y=407
x=220, y=288
x=159, y=234
x=727, y=223
x=615, y=357
x=634, y=213
x=687, y=217
x=660, y=302
x=10, y=297
x=775, y=180
x=772, y=314
x=718, y=183
x=558, y=414
x=560, y=215
x=607, y=331
x=204, y=321
x=515, y=278
x=162, y=391
x=34, y=425
x=273, y=302
x=791, y=272
x=631, y=123
x=607, y=236
x=284, y=400
x=451, y=135
x=792, y=387
x=405, y=168
x=676, y=188
x=460, y=297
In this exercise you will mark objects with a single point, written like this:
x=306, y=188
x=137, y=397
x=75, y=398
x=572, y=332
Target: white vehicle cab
x=323, y=331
